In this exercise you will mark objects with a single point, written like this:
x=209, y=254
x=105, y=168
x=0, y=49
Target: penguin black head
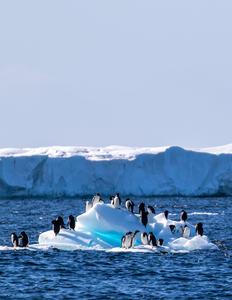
x=98, y=194
x=166, y=212
x=172, y=228
x=183, y=216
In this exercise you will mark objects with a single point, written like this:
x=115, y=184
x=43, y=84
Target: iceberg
x=102, y=228
x=78, y=171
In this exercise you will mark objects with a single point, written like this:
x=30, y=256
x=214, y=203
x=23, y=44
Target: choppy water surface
x=50, y=274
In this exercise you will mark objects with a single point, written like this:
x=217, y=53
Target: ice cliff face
x=66, y=171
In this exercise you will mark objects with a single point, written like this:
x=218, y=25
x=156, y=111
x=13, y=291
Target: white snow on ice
x=72, y=171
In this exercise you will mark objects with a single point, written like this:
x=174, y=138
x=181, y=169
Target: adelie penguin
x=199, y=229
x=183, y=216
x=141, y=207
x=127, y=240
x=186, y=232
x=96, y=199
x=14, y=240
x=61, y=221
x=150, y=209
x=116, y=201
x=144, y=238
x=130, y=205
x=71, y=222
x=152, y=239
x=23, y=239
x=143, y=214
x=166, y=212
x=56, y=226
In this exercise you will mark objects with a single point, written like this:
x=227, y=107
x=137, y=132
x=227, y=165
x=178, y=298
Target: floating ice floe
x=102, y=227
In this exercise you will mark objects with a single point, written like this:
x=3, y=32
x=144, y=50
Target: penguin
x=166, y=212
x=130, y=205
x=88, y=206
x=152, y=239
x=96, y=199
x=160, y=242
x=71, y=222
x=172, y=228
x=150, y=209
x=119, y=198
x=56, y=226
x=144, y=217
x=14, y=240
x=141, y=207
x=199, y=229
x=61, y=221
x=144, y=238
x=127, y=240
x=186, y=232
x=23, y=239
x=115, y=202
x=183, y=216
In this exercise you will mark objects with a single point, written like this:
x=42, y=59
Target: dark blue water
x=51, y=274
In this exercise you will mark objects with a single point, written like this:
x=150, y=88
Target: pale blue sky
x=97, y=73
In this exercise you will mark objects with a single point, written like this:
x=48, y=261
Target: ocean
x=79, y=274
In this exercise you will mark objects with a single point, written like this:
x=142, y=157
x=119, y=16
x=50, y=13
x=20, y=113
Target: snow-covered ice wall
x=72, y=171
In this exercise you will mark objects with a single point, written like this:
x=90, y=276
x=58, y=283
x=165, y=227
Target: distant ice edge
x=130, y=171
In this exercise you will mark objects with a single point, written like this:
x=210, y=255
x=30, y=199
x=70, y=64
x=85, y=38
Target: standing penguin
x=141, y=207
x=166, y=212
x=150, y=209
x=71, y=222
x=88, y=205
x=186, y=232
x=56, y=226
x=127, y=240
x=23, y=239
x=144, y=238
x=130, y=205
x=119, y=198
x=144, y=217
x=143, y=214
x=96, y=199
x=61, y=221
x=183, y=216
x=152, y=239
x=115, y=202
x=199, y=229
x=14, y=240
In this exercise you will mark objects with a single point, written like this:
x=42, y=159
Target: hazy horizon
x=130, y=73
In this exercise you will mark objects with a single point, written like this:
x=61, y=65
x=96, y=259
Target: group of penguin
x=58, y=224
x=19, y=241
x=128, y=239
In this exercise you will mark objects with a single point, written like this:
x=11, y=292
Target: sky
x=125, y=72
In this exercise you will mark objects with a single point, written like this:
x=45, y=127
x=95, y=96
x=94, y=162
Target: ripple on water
x=106, y=275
